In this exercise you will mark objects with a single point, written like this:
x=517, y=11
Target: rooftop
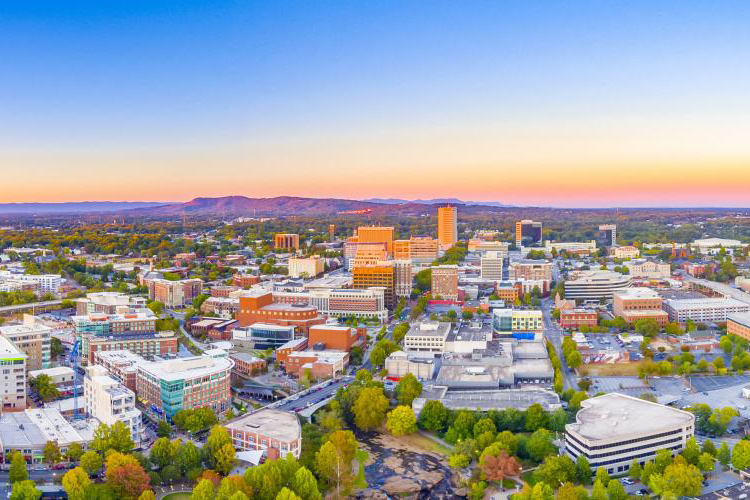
x=707, y=302
x=429, y=328
x=34, y=427
x=9, y=350
x=638, y=292
x=52, y=372
x=616, y=415
x=182, y=368
x=274, y=424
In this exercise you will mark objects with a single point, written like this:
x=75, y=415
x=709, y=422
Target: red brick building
x=336, y=338
x=296, y=345
x=261, y=308
x=247, y=364
x=575, y=318
x=245, y=280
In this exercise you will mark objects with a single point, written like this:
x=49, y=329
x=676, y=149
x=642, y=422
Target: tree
x=556, y=470
x=18, y=470
x=305, y=485
x=635, y=470
x=557, y=420
x=25, y=490
x=497, y=467
x=692, y=451
x=117, y=437
x=76, y=483
x=203, y=491
x=569, y=491
x=187, y=457
x=602, y=476
x=483, y=426
x=164, y=429
x=125, y=475
x=147, y=495
x=723, y=454
x=539, y=445
x=45, y=387
x=370, y=408
x=706, y=462
x=535, y=417
x=401, y=420
x=574, y=359
x=433, y=416
x=599, y=491
x=74, y=452
x=458, y=460
x=217, y=438
x=679, y=479
x=583, y=470
x=91, y=462
x=616, y=491
x=382, y=350
x=407, y=389
x=507, y=441
x=334, y=467
x=741, y=455
x=709, y=447
x=286, y=494
x=225, y=459
x=162, y=452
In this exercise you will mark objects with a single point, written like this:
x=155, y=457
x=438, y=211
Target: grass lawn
x=177, y=496
x=427, y=444
x=360, y=483
x=606, y=369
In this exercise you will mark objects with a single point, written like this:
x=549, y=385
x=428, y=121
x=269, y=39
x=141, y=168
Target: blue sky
x=330, y=86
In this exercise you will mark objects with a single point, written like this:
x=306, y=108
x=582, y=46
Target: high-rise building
x=331, y=231
x=491, y=266
x=402, y=278
x=528, y=233
x=445, y=282
x=109, y=401
x=418, y=249
x=447, y=219
x=13, y=386
x=376, y=234
x=608, y=235
x=381, y=275
x=286, y=241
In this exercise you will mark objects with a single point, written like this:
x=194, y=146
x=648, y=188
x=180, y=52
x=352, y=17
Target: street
x=555, y=335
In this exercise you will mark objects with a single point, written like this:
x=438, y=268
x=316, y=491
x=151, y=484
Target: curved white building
x=595, y=285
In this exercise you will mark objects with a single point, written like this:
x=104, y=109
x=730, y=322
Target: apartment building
x=109, y=401
x=527, y=269
x=108, y=303
x=286, y=242
x=162, y=343
x=445, y=282
x=402, y=277
x=276, y=433
x=637, y=303
x=175, y=293
x=308, y=267
x=41, y=284
x=709, y=309
x=121, y=365
x=13, y=379
x=491, y=266
x=528, y=233
x=33, y=338
x=245, y=280
x=226, y=307
x=447, y=226
x=102, y=324
x=614, y=430
x=186, y=384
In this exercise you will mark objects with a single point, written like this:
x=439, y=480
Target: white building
x=43, y=283
x=491, y=266
x=570, y=247
x=60, y=375
x=709, y=309
x=613, y=430
x=712, y=246
x=109, y=401
x=13, y=381
x=309, y=267
x=427, y=337
x=33, y=338
x=595, y=285
x=344, y=302
x=649, y=269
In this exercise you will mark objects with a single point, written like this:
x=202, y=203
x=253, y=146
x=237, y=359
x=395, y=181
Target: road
x=555, y=335
x=315, y=396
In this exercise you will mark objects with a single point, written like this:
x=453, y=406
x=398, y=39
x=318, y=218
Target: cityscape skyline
x=534, y=104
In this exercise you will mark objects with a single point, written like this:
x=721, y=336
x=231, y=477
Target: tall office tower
x=528, y=233
x=402, y=277
x=445, y=282
x=491, y=266
x=608, y=235
x=381, y=275
x=331, y=231
x=447, y=218
x=283, y=241
x=376, y=234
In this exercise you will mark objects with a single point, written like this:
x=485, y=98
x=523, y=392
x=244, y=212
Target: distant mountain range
x=77, y=207
x=434, y=201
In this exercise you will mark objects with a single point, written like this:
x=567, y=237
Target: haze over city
x=583, y=104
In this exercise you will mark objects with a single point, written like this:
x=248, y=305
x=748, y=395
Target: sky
x=531, y=103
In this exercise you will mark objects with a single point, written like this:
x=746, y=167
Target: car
x=705, y=393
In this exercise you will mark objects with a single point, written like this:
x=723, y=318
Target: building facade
x=381, y=275
x=447, y=226
x=275, y=433
x=13, y=382
x=109, y=401
x=286, y=242
x=528, y=233
x=445, y=282
x=33, y=338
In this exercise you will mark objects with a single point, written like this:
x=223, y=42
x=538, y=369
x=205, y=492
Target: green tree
x=217, y=438
x=535, y=417
x=602, y=476
x=706, y=462
x=225, y=459
x=187, y=457
x=370, y=408
x=433, y=416
x=286, y=494
x=507, y=441
x=147, y=495
x=616, y=491
x=407, y=389
x=91, y=462
x=45, y=387
x=18, y=470
x=74, y=452
x=574, y=359
x=678, y=479
x=723, y=455
x=203, y=491
x=741, y=455
x=599, y=491
x=539, y=445
x=556, y=469
x=401, y=420
x=662, y=460
x=76, y=483
x=51, y=452
x=162, y=452
x=583, y=470
x=635, y=470
x=164, y=429
x=25, y=490
x=692, y=451
x=305, y=485
x=484, y=425
x=334, y=467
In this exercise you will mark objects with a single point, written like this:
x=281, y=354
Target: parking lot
x=631, y=386
x=707, y=384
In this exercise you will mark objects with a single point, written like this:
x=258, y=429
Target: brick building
x=637, y=303
x=336, y=338
x=445, y=282
x=286, y=241
x=576, y=318
x=259, y=307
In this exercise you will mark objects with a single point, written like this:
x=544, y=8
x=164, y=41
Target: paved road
x=315, y=396
x=555, y=336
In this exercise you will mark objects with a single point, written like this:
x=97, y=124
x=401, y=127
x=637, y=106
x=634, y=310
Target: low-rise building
x=276, y=433
x=247, y=364
x=614, y=430
x=595, y=285
x=525, y=320
x=33, y=338
x=61, y=376
x=624, y=252
x=576, y=318
x=400, y=363
x=632, y=304
x=109, y=401
x=427, y=337
x=322, y=364
x=108, y=303
x=260, y=307
x=739, y=324
x=308, y=267
x=709, y=309
x=283, y=352
x=335, y=337
x=263, y=335
x=649, y=269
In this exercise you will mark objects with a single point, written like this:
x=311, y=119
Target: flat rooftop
x=490, y=399
x=616, y=415
x=637, y=292
x=704, y=303
x=741, y=319
x=429, y=328
x=52, y=372
x=275, y=424
x=186, y=368
x=9, y=350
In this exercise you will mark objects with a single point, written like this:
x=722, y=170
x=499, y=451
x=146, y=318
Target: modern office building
x=595, y=285
x=276, y=433
x=427, y=338
x=286, y=242
x=637, y=303
x=480, y=245
x=105, y=325
x=108, y=303
x=445, y=282
x=447, y=226
x=709, y=309
x=528, y=233
x=418, y=249
x=109, y=401
x=264, y=335
x=341, y=303
x=613, y=430
x=13, y=383
x=527, y=320
x=491, y=266
x=33, y=338
x=186, y=384
x=573, y=247
x=608, y=235
x=308, y=267
x=381, y=275
x=376, y=234
x=364, y=251
x=403, y=278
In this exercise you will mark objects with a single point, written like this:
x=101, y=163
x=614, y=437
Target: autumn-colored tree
x=496, y=468
x=76, y=483
x=125, y=475
x=211, y=475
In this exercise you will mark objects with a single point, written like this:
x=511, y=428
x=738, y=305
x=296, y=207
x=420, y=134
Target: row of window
x=629, y=441
x=661, y=444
